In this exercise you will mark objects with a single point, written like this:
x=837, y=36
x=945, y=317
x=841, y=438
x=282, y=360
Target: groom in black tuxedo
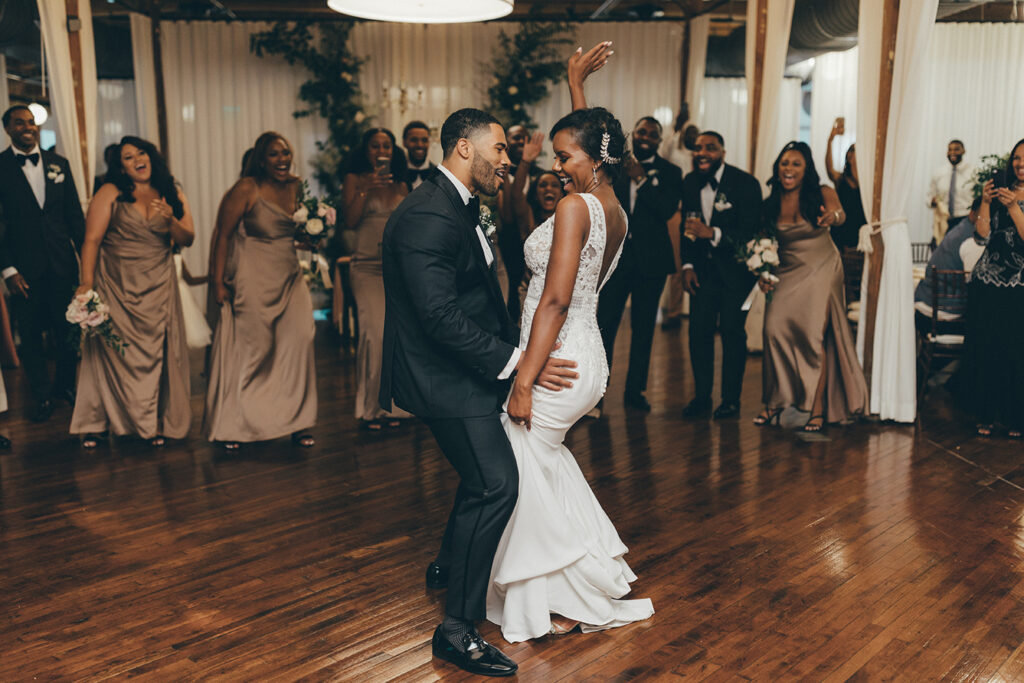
x=449, y=349
x=724, y=205
x=649, y=192
x=41, y=232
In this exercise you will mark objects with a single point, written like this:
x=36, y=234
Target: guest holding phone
x=374, y=185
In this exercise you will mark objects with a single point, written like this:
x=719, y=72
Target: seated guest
x=960, y=250
x=544, y=196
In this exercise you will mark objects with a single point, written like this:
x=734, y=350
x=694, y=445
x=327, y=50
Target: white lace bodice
x=579, y=337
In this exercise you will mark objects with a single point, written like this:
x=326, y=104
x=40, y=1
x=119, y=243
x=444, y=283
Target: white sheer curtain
x=893, y=387
x=442, y=67
x=53, y=25
x=696, y=65
x=89, y=91
x=148, y=126
x=725, y=111
x=779, y=22
x=220, y=97
x=833, y=94
x=116, y=114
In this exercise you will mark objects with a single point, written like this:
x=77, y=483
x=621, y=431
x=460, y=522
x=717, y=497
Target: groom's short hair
x=463, y=124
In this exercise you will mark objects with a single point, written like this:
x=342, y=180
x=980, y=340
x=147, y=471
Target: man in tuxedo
x=724, y=207
x=649, y=191
x=42, y=230
x=416, y=140
x=449, y=349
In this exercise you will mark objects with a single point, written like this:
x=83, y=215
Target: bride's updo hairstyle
x=600, y=135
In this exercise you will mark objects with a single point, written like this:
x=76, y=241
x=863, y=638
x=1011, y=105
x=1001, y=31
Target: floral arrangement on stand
x=524, y=68
x=332, y=90
x=91, y=318
x=990, y=165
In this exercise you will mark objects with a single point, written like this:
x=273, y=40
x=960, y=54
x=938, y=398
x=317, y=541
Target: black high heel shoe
x=767, y=417
x=814, y=428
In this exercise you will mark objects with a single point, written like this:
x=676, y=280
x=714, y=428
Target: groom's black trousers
x=478, y=449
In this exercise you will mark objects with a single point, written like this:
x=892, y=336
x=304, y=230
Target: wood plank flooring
x=884, y=552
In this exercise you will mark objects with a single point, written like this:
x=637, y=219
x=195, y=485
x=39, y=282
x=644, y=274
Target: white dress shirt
x=707, y=207
x=938, y=188
x=680, y=155
x=35, y=174
x=465, y=194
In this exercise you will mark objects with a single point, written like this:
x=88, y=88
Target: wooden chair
x=853, y=272
x=345, y=312
x=920, y=252
x=944, y=337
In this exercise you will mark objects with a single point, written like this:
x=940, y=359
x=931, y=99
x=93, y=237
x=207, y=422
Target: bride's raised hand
x=582, y=64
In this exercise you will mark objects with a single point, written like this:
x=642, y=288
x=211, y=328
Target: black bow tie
x=473, y=210
x=713, y=182
x=418, y=173
x=33, y=157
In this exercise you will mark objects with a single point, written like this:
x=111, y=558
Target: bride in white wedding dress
x=560, y=554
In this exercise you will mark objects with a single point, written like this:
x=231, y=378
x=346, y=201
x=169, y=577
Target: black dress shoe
x=43, y=411
x=5, y=443
x=726, y=410
x=474, y=655
x=437, y=576
x=66, y=395
x=696, y=408
x=637, y=401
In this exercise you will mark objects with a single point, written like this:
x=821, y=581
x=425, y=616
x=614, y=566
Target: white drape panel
x=893, y=386
x=220, y=97
x=696, y=66
x=833, y=94
x=447, y=62
x=53, y=25
x=5, y=98
x=89, y=93
x=725, y=111
x=779, y=22
x=148, y=126
x=116, y=113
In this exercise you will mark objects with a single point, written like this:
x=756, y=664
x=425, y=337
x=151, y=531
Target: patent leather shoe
x=437, y=576
x=726, y=410
x=637, y=401
x=474, y=654
x=696, y=408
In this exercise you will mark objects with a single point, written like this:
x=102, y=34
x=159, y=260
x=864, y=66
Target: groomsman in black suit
x=41, y=232
x=721, y=208
x=416, y=140
x=649, y=191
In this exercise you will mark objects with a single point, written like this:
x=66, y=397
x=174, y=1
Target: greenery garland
x=524, y=67
x=332, y=92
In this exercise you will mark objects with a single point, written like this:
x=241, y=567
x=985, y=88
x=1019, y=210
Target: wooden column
x=75, y=46
x=684, y=65
x=158, y=69
x=890, y=24
x=756, y=95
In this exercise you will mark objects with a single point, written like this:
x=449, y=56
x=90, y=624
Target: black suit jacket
x=738, y=223
x=648, y=247
x=39, y=242
x=447, y=334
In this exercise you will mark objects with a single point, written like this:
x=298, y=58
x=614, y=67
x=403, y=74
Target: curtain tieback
x=866, y=231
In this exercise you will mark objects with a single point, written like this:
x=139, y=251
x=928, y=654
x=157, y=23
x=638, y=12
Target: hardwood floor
x=881, y=552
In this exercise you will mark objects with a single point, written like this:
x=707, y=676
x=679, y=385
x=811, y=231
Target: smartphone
x=997, y=177
x=383, y=165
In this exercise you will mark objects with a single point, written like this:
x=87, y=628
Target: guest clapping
x=993, y=369
x=134, y=221
x=373, y=188
x=262, y=373
x=810, y=360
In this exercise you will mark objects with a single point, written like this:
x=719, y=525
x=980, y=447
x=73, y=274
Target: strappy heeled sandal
x=93, y=440
x=561, y=625
x=984, y=429
x=814, y=428
x=303, y=439
x=767, y=417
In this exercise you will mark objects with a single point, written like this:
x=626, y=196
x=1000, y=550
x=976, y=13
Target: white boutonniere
x=653, y=176
x=54, y=173
x=487, y=221
x=722, y=203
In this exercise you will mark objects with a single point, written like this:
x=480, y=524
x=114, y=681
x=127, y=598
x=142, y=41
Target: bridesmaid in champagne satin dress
x=810, y=359
x=133, y=223
x=262, y=374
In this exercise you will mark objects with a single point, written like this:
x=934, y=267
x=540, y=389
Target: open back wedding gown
x=560, y=553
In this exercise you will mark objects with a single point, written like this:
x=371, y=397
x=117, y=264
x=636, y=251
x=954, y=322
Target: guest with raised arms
x=134, y=222
x=722, y=208
x=373, y=188
x=847, y=183
x=262, y=381
x=43, y=229
x=810, y=359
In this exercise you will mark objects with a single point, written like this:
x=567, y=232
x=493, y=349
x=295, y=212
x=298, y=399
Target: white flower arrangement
x=487, y=221
x=652, y=174
x=91, y=317
x=313, y=217
x=761, y=256
x=54, y=173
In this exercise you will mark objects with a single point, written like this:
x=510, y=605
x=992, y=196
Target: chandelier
x=424, y=11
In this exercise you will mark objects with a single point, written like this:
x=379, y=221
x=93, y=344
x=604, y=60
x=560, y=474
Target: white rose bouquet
x=91, y=318
x=761, y=256
x=313, y=217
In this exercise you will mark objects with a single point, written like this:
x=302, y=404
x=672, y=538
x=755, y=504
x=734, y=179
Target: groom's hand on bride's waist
x=557, y=374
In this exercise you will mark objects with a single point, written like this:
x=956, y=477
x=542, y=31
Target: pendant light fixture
x=424, y=11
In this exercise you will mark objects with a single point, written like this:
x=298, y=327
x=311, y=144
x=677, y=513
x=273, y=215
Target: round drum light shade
x=39, y=113
x=424, y=11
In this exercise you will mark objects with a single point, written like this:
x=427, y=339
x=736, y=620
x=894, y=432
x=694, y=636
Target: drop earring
x=596, y=181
